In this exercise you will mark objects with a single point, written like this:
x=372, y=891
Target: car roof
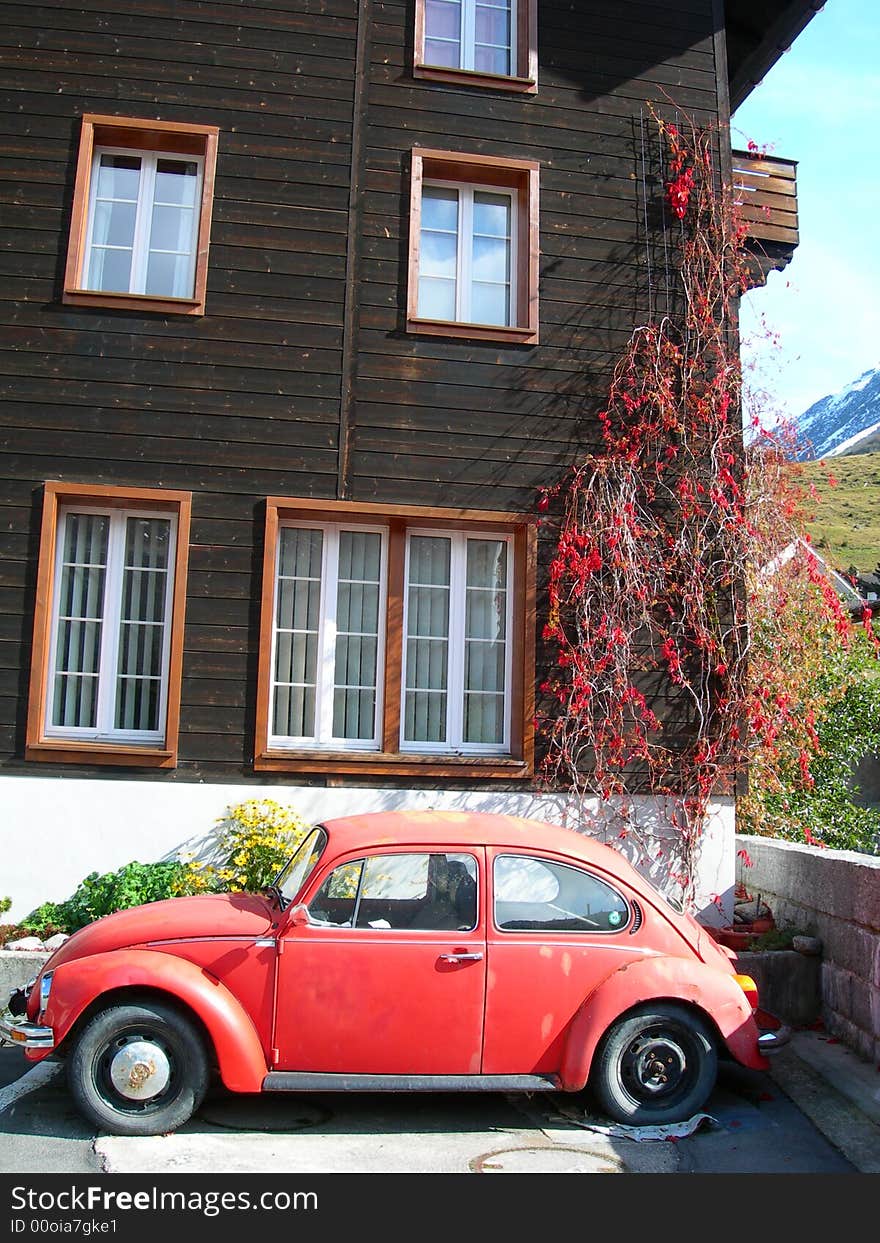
x=472, y=828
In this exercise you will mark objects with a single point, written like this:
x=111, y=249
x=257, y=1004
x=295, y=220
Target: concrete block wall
x=834, y=895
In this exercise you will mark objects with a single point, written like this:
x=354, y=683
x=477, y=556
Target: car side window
x=398, y=891
x=536, y=895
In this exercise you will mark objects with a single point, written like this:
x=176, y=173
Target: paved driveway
x=756, y=1129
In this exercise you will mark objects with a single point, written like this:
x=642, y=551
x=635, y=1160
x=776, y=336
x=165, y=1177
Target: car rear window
x=539, y=895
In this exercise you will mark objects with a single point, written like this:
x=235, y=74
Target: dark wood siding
x=252, y=400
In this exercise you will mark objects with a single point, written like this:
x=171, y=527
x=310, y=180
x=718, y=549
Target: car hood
x=205, y=915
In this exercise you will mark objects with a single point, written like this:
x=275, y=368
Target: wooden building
x=304, y=301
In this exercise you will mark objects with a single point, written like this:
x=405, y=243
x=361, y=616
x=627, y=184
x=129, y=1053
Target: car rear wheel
x=657, y=1065
x=138, y=1069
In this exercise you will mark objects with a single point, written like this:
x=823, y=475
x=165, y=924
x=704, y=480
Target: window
x=457, y=654
x=327, y=640
x=105, y=679
x=400, y=891
x=393, y=637
x=537, y=895
x=488, y=43
x=473, y=247
x=141, y=216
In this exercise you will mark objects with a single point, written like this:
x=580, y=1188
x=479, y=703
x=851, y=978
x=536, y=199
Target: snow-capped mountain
x=838, y=423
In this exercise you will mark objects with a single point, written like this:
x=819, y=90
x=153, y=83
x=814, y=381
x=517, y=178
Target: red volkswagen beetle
x=396, y=952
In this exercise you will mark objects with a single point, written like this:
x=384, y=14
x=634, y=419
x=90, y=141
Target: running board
x=307, y=1081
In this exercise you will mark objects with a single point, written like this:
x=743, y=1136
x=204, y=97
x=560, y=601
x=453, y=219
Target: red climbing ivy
x=680, y=591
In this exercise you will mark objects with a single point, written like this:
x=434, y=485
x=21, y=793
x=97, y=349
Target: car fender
x=81, y=981
x=661, y=978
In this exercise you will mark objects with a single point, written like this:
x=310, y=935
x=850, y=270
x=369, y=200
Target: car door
x=555, y=932
x=388, y=976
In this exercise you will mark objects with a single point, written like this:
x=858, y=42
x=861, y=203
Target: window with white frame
x=477, y=35
x=328, y=636
x=457, y=651
x=467, y=260
x=111, y=625
x=143, y=223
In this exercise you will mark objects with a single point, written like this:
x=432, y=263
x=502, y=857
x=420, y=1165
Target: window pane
x=427, y=647
x=484, y=718
x=119, y=177
x=357, y=629
x=296, y=641
x=533, y=895
x=334, y=901
x=169, y=276
x=442, y=52
x=80, y=610
x=176, y=182
x=443, y=33
x=439, y=254
x=142, y=628
x=440, y=208
x=171, y=229
x=491, y=260
x=436, y=891
x=109, y=270
x=493, y=25
x=490, y=304
x=492, y=60
x=442, y=19
x=436, y=298
x=491, y=214
x=114, y=224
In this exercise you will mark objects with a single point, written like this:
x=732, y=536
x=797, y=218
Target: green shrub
x=97, y=895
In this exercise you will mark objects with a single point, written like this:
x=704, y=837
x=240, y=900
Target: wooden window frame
x=520, y=176
x=390, y=761
x=523, y=82
x=52, y=749
x=163, y=137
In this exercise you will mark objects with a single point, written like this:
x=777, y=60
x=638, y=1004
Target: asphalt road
x=755, y=1128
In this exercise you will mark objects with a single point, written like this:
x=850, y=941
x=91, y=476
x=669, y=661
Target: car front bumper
x=25, y=1035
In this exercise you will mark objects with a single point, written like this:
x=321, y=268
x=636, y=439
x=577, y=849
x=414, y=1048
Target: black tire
x=163, y=1045
x=657, y=1065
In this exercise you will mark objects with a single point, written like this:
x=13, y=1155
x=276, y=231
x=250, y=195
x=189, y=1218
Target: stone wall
x=834, y=895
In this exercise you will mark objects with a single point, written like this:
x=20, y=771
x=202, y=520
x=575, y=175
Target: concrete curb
x=838, y=1092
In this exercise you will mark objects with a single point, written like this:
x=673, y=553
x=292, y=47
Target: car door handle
x=460, y=957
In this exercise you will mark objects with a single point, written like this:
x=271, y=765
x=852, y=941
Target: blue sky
x=820, y=105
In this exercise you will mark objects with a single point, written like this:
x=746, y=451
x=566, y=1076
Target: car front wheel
x=138, y=1069
x=657, y=1065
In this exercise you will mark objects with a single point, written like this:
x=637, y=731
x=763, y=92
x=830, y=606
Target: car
x=400, y=951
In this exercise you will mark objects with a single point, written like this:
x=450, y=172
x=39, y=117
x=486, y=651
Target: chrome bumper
x=770, y=1041
x=25, y=1035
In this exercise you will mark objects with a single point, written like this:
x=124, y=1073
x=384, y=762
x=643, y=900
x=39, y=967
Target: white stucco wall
x=56, y=830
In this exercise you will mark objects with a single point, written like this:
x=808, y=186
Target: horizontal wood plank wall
x=245, y=402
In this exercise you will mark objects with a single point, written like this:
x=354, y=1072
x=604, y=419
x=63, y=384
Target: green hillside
x=846, y=526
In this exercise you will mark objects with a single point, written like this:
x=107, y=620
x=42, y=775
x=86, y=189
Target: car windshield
x=295, y=874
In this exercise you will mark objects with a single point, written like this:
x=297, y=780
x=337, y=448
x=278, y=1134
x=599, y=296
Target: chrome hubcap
x=140, y=1070
x=658, y=1065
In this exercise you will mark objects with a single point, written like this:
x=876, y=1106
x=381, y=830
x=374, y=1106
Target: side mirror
x=299, y=916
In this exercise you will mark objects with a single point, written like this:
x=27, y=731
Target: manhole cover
x=555, y=1160
x=259, y=1113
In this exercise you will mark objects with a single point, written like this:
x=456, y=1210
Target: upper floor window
x=392, y=637
x=108, y=640
x=473, y=247
x=141, y=215
x=481, y=42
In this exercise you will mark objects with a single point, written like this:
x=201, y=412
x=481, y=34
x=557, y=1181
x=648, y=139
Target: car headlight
x=45, y=989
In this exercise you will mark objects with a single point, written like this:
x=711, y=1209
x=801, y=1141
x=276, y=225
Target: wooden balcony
x=765, y=189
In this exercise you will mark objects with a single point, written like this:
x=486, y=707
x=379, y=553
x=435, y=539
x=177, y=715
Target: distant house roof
x=758, y=33
x=853, y=600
